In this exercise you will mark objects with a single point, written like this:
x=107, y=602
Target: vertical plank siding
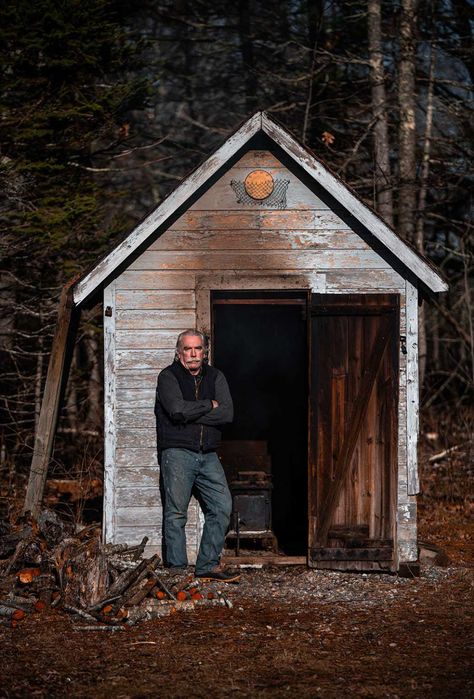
x=218, y=243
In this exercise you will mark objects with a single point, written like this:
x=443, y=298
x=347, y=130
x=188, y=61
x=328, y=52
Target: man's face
x=191, y=353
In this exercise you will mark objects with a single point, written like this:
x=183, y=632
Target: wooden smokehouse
x=311, y=304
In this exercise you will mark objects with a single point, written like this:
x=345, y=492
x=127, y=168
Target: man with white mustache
x=192, y=402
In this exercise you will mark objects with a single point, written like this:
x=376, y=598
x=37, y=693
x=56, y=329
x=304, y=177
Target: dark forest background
x=106, y=105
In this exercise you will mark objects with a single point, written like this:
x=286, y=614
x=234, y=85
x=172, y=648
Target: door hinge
x=403, y=343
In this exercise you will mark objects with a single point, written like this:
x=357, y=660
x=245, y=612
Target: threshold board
x=270, y=560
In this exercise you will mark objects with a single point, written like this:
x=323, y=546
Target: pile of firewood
x=44, y=563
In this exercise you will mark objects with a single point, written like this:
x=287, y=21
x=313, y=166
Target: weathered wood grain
x=246, y=260
x=143, y=359
x=161, y=320
x=134, y=438
x=150, y=516
x=137, y=299
x=138, y=496
x=135, y=397
x=413, y=484
x=130, y=398
x=363, y=281
x=138, y=279
x=147, y=339
x=228, y=239
x=110, y=416
x=137, y=378
x=258, y=159
x=260, y=220
x=136, y=457
x=138, y=476
x=136, y=418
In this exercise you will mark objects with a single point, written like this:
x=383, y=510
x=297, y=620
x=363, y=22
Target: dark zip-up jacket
x=185, y=417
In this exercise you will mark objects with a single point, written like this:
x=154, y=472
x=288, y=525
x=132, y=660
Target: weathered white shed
x=263, y=224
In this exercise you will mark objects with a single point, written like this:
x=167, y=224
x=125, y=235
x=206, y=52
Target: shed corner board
x=110, y=416
x=412, y=389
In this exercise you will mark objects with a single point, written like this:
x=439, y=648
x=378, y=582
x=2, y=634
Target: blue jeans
x=181, y=471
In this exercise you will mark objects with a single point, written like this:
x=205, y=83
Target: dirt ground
x=290, y=632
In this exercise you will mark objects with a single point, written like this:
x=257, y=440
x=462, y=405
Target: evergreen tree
x=70, y=75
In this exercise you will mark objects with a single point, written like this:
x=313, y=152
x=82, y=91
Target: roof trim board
x=260, y=121
x=87, y=285
x=354, y=205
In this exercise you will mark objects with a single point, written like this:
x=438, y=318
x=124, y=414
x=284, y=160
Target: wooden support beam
x=359, y=411
x=55, y=380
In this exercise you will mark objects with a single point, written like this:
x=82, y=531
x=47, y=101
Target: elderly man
x=192, y=401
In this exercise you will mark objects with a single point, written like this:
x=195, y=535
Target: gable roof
x=259, y=122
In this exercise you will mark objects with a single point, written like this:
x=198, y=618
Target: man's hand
x=215, y=404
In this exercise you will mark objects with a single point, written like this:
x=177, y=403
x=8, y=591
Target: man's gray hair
x=195, y=333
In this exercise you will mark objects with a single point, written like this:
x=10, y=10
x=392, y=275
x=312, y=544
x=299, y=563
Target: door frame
x=309, y=282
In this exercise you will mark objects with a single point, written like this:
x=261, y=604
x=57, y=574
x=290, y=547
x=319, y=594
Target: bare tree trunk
x=315, y=15
x=407, y=127
x=383, y=179
x=425, y=164
x=246, y=49
x=419, y=236
x=94, y=416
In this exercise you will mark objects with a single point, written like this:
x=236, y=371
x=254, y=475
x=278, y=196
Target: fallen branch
x=438, y=457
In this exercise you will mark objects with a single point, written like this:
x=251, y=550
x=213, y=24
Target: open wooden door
x=353, y=431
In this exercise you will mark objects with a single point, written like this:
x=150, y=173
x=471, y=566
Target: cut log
x=141, y=591
x=11, y=612
x=27, y=575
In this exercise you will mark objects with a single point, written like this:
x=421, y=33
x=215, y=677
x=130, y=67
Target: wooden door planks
x=357, y=415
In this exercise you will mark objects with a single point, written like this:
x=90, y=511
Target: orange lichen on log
x=40, y=606
x=160, y=594
x=107, y=609
x=181, y=596
x=196, y=596
x=18, y=615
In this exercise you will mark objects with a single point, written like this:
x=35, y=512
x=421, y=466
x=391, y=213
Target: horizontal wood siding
x=156, y=298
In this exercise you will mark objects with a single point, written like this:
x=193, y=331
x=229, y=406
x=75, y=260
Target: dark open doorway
x=260, y=343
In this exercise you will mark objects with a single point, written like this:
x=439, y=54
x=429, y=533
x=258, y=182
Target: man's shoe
x=219, y=575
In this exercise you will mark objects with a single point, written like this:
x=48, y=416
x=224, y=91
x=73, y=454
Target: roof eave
x=316, y=169
x=260, y=121
x=86, y=286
